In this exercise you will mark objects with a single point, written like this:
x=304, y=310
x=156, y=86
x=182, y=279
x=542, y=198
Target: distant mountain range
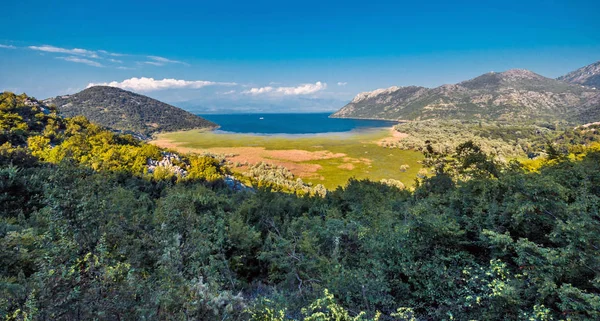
x=511, y=95
x=214, y=104
x=587, y=76
x=126, y=111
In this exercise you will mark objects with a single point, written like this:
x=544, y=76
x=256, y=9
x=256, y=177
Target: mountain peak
x=123, y=110
x=520, y=73
x=512, y=78
x=102, y=87
x=586, y=76
x=509, y=95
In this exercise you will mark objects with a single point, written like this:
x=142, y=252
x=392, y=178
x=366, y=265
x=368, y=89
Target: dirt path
x=395, y=136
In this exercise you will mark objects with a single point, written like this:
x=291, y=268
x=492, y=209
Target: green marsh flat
x=328, y=159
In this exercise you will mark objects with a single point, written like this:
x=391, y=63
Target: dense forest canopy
x=100, y=226
x=504, y=140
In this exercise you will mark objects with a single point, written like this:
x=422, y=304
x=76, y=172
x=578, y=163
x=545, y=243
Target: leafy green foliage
x=22, y=116
x=281, y=179
x=86, y=234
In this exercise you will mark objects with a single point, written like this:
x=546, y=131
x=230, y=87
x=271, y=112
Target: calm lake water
x=316, y=123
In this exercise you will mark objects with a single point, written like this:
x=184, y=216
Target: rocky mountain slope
x=126, y=111
x=586, y=76
x=511, y=95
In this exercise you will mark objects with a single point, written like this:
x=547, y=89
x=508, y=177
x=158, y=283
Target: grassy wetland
x=329, y=159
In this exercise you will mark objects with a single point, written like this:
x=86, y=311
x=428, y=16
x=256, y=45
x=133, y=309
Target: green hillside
x=126, y=111
x=101, y=226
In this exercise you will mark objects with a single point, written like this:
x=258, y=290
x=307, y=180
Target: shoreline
x=307, y=135
x=217, y=131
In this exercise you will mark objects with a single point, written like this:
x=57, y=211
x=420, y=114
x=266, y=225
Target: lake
x=314, y=123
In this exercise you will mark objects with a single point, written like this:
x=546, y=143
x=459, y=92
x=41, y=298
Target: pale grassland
x=328, y=159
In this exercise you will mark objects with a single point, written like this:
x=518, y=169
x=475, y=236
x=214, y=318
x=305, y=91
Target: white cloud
x=151, y=84
x=228, y=92
x=81, y=61
x=258, y=91
x=102, y=56
x=154, y=63
x=303, y=89
x=163, y=61
x=111, y=53
x=8, y=47
x=74, y=51
x=342, y=84
x=125, y=68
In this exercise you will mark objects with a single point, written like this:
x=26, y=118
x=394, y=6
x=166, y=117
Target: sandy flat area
x=290, y=159
x=395, y=136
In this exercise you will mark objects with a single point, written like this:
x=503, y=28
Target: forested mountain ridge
x=86, y=233
x=123, y=110
x=586, y=76
x=511, y=95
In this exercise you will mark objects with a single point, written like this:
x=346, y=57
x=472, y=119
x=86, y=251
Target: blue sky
x=304, y=56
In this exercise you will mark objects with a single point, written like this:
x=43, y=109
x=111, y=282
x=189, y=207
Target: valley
x=327, y=159
x=233, y=161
